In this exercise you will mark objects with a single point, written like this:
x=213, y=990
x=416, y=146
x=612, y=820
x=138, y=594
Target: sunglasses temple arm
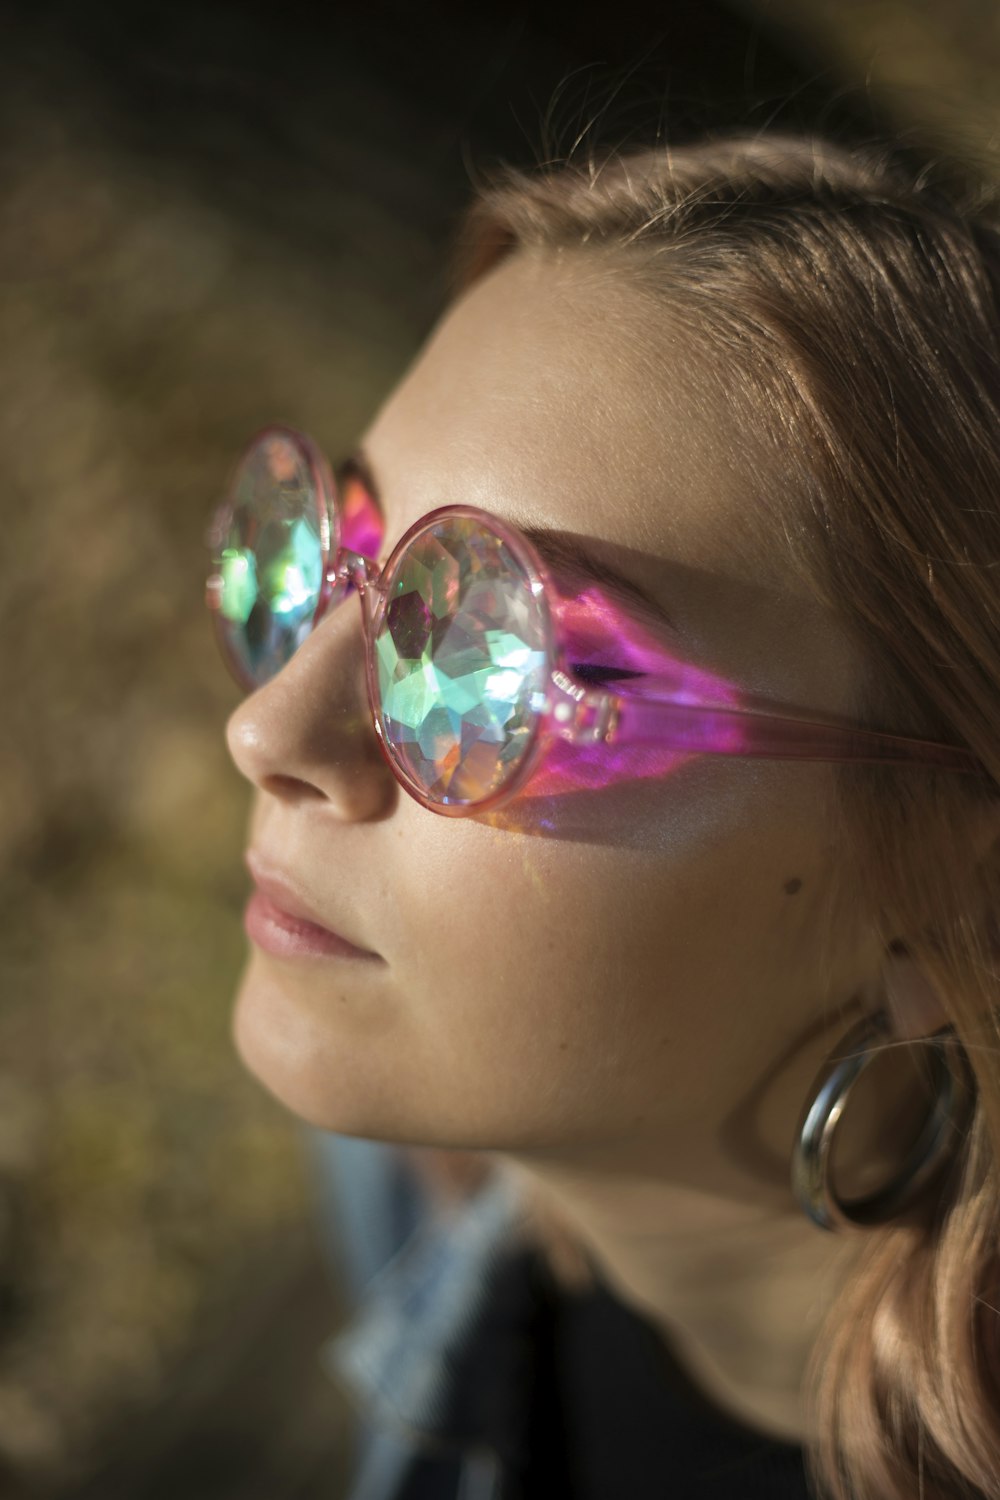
x=615, y=720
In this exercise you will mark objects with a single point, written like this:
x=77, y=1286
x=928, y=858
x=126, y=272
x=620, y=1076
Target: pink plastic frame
x=574, y=711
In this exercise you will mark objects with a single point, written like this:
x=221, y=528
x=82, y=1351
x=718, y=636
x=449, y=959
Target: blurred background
x=213, y=217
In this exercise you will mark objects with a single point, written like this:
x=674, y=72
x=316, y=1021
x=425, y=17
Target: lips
x=279, y=889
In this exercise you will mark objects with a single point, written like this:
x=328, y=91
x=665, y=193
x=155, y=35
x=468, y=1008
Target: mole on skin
x=793, y=886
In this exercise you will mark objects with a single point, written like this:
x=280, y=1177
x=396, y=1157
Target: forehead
x=557, y=393
x=540, y=389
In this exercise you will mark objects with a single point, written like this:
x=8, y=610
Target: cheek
x=547, y=989
x=575, y=991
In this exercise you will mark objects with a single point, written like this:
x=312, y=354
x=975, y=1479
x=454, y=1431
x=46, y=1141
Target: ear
x=910, y=997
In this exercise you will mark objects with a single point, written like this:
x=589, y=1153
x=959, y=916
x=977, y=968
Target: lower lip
x=278, y=932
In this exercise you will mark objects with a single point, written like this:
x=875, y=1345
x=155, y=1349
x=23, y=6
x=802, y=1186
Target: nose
x=307, y=734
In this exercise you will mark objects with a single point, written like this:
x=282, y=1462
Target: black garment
x=481, y=1378
x=613, y=1415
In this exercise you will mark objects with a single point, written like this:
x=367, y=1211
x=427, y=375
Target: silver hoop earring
x=811, y=1180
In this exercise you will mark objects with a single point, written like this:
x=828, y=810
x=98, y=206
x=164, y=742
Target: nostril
x=290, y=786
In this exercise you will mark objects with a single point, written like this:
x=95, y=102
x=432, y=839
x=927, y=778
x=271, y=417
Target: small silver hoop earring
x=811, y=1180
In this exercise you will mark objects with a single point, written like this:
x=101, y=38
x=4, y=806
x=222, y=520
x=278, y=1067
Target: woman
x=727, y=418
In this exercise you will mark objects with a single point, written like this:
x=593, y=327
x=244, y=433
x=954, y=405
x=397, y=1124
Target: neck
x=738, y=1291
x=705, y=1238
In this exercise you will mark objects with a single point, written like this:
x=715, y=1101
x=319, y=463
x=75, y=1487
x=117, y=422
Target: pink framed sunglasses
x=469, y=643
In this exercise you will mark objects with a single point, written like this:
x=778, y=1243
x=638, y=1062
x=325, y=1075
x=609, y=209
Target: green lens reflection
x=239, y=584
x=461, y=662
x=271, y=561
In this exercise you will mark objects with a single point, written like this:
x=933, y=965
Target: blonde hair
x=855, y=309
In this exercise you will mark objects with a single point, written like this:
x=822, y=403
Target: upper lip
x=274, y=883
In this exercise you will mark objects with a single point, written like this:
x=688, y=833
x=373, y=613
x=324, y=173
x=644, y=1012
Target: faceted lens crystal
x=461, y=662
x=269, y=564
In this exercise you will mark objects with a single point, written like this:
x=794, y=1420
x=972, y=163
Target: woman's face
x=621, y=964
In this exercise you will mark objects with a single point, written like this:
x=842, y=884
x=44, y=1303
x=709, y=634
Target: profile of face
x=609, y=964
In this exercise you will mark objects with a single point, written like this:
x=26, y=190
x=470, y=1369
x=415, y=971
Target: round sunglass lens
x=268, y=550
x=460, y=662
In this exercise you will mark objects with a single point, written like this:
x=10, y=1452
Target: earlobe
x=910, y=998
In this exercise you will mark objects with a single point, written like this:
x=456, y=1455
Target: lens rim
x=220, y=523
x=540, y=585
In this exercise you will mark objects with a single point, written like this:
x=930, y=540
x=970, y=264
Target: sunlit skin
x=621, y=986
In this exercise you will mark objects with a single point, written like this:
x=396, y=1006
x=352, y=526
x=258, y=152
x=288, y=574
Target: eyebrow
x=576, y=559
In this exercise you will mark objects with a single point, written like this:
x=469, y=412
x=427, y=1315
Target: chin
x=328, y=1061
x=285, y=1043
x=358, y=1069
x=270, y=1060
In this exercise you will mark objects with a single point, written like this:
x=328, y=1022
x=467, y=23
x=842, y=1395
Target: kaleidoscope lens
x=269, y=543
x=460, y=661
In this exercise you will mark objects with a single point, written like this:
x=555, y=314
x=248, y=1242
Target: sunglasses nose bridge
x=350, y=570
x=354, y=568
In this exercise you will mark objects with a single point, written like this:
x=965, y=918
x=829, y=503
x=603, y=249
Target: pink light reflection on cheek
x=570, y=768
x=596, y=632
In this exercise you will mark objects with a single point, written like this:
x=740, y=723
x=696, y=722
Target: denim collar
x=439, y=1348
